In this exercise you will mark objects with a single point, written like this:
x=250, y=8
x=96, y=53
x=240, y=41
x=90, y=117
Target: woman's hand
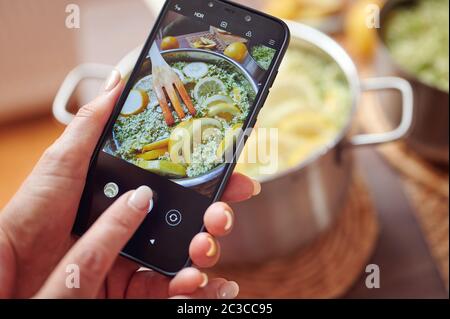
x=36, y=244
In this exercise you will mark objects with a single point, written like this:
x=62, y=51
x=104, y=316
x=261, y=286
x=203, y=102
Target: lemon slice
x=179, y=138
x=180, y=132
x=217, y=99
x=175, y=153
x=223, y=110
x=200, y=126
x=208, y=86
x=151, y=155
x=136, y=103
x=146, y=84
x=187, y=135
x=181, y=151
x=164, y=168
x=196, y=70
x=156, y=145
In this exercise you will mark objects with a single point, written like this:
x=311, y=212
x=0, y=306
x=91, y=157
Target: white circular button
x=111, y=190
x=173, y=217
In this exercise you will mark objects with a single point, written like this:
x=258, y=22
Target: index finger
x=95, y=253
x=240, y=188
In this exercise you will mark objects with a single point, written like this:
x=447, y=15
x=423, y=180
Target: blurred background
x=361, y=104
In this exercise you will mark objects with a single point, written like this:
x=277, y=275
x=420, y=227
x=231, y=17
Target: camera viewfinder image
x=194, y=92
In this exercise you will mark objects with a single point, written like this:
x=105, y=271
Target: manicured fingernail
x=212, y=247
x=228, y=290
x=205, y=280
x=140, y=199
x=230, y=220
x=256, y=187
x=112, y=81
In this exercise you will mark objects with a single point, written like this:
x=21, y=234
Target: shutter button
x=173, y=217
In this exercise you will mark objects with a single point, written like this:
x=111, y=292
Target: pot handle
x=70, y=83
x=405, y=89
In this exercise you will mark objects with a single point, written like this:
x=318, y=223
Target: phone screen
x=188, y=102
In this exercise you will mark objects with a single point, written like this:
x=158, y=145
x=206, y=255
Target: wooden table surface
x=406, y=265
x=407, y=268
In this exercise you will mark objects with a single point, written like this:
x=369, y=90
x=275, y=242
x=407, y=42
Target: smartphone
x=205, y=71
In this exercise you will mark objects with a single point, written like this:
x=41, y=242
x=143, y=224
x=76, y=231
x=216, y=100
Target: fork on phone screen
x=167, y=84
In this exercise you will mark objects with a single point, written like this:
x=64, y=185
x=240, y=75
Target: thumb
x=53, y=190
x=95, y=252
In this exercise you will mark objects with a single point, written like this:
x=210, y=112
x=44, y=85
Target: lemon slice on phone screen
x=223, y=110
x=196, y=70
x=177, y=143
x=156, y=145
x=217, y=99
x=146, y=84
x=151, y=155
x=207, y=87
x=175, y=153
x=199, y=126
x=136, y=103
x=182, y=131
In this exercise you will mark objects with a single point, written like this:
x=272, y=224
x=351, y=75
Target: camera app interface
x=193, y=94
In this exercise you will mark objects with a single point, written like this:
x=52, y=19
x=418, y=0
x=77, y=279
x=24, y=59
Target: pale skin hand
x=36, y=243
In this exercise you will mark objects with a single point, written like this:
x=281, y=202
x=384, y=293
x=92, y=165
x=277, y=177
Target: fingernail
x=229, y=290
x=140, y=199
x=256, y=187
x=212, y=247
x=230, y=220
x=205, y=280
x=112, y=81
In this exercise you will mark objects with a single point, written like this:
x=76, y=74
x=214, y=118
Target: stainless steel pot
x=429, y=132
x=295, y=206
